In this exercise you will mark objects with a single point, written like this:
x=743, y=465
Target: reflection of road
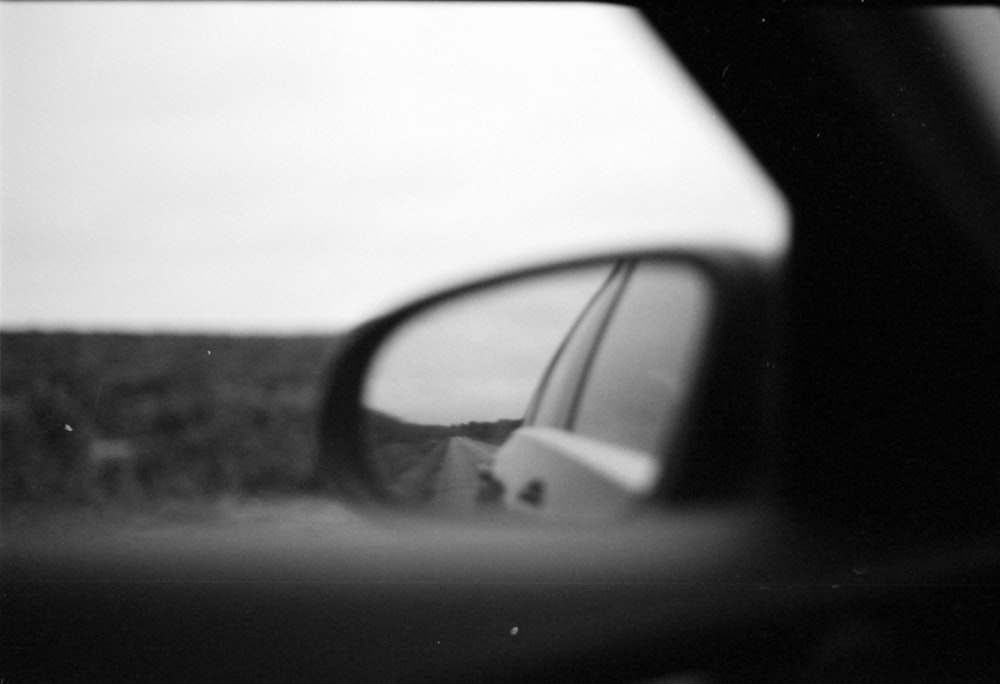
x=457, y=480
x=414, y=479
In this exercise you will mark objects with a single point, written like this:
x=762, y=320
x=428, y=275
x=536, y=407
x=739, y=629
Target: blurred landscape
x=412, y=458
x=132, y=423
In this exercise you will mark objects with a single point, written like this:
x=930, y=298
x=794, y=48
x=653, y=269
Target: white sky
x=292, y=167
x=481, y=357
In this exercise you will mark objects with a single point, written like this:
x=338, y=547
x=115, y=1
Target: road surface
x=455, y=484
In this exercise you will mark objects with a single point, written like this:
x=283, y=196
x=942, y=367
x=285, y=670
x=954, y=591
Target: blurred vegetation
x=383, y=428
x=118, y=418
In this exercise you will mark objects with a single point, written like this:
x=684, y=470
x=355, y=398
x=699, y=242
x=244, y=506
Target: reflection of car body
x=603, y=415
x=869, y=548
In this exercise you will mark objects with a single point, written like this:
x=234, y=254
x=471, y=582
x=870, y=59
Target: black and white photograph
x=499, y=341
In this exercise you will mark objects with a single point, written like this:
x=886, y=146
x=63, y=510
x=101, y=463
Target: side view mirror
x=576, y=391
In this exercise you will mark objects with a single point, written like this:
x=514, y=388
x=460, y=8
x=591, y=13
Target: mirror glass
x=555, y=393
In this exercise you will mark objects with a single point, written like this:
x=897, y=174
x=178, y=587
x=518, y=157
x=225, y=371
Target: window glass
x=645, y=362
x=198, y=199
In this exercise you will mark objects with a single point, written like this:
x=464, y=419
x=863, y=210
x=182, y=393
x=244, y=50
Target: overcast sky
x=481, y=357
x=292, y=167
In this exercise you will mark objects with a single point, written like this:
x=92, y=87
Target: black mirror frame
x=730, y=436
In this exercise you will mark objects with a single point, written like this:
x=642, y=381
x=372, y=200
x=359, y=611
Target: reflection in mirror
x=529, y=394
x=449, y=387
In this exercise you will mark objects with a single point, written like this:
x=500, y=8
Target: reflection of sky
x=480, y=357
x=268, y=166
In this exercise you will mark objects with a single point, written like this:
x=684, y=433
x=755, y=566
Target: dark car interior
x=869, y=552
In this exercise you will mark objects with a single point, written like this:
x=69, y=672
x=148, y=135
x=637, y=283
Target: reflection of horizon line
x=404, y=421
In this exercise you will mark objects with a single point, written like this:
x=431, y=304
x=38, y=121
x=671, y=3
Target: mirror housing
x=726, y=432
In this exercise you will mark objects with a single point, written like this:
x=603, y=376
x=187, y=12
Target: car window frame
x=601, y=309
x=661, y=434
